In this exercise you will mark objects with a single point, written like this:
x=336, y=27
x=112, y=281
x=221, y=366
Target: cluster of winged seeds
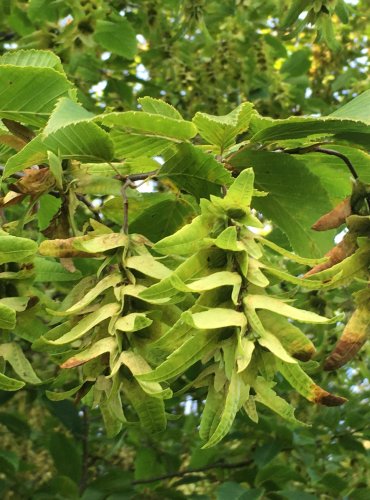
x=196, y=309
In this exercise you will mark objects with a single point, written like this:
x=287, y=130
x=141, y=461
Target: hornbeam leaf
x=101, y=286
x=268, y=397
x=87, y=323
x=13, y=354
x=30, y=93
x=187, y=240
x=276, y=305
x=289, y=255
x=212, y=410
x=149, y=409
x=228, y=240
x=7, y=317
x=137, y=364
x=133, y=146
x=150, y=123
x=353, y=338
x=356, y=109
x=59, y=396
x=292, y=339
x=159, y=107
x=132, y=322
x=47, y=270
x=10, y=384
x=255, y=275
x=250, y=409
x=273, y=344
x=291, y=187
x=196, y=172
x=215, y=318
x=222, y=130
x=228, y=413
x=33, y=58
x=239, y=195
x=16, y=249
x=97, y=349
x=62, y=248
x=33, y=153
x=118, y=37
x=244, y=351
x=148, y=265
x=215, y=280
x=298, y=379
x=191, y=351
x=102, y=243
x=304, y=283
x=356, y=265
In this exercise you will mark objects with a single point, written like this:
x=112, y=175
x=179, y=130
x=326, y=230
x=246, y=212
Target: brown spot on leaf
x=335, y=217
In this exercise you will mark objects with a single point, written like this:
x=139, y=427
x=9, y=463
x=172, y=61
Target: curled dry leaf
x=34, y=182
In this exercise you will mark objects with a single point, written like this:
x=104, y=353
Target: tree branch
x=219, y=465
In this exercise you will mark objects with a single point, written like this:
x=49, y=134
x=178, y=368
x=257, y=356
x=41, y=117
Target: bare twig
x=89, y=205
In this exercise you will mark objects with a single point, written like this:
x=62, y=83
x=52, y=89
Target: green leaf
x=87, y=323
x=215, y=318
x=186, y=240
x=193, y=349
x=297, y=64
x=239, y=195
x=211, y=411
x=132, y=145
x=269, y=398
x=71, y=134
x=162, y=219
x=32, y=57
x=15, y=249
x=149, y=409
x=273, y=344
x=29, y=93
x=159, y=107
x=228, y=413
x=295, y=201
x=107, y=282
x=222, y=131
x=118, y=37
x=151, y=124
x=13, y=354
x=279, y=307
x=196, y=172
x=148, y=265
x=291, y=337
x=7, y=317
x=47, y=270
x=303, y=384
x=48, y=207
x=302, y=128
x=357, y=109
x=100, y=347
x=132, y=322
x=10, y=384
x=33, y=153
x=67, y=458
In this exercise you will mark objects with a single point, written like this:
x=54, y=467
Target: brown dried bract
x=322, y=397
x=338, y=253
x=353, y=338
x=335, y=217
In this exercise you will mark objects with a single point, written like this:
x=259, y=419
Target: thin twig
x=326, y=151
x=219, y=465
x=127, y=184
x=90, y=206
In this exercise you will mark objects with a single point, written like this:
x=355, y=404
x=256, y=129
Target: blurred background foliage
x=287, y=58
